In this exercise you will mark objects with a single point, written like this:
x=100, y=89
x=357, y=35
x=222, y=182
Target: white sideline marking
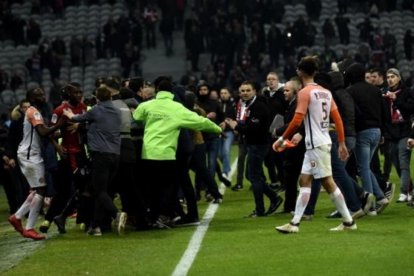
x=194, y=245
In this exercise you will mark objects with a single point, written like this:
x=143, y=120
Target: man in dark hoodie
x=370, y=114
x=346, y=107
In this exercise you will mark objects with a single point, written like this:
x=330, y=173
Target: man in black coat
x=253, y=122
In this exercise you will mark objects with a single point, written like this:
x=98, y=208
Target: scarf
x=243, y=110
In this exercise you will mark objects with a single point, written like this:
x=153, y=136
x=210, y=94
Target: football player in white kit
x=31, y=163
x=315, y=105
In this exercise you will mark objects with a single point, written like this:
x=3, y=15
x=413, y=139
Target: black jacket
x=404, y=103
x=255, y=129
x=294, y=155
x=344, y=101
x=209, y=105
x=369, y=108
x=228, y=109
x=276, y=103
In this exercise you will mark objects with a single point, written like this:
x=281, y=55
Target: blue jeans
x=401, y=157
x=212, y=150
x=224, y=150
x=255, y=174
x=367, y=142
x=341, y=176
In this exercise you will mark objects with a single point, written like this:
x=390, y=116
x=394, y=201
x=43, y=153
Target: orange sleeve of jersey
x=293, y=125
x=336, y=117
x=303, y=101
x=34, y=117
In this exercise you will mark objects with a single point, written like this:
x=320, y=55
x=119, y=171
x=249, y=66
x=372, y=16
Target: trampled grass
x=233, y=245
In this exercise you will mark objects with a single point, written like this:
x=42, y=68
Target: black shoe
x=60, y=222
x=274, y=205
x=334, y=214
x=237, y=188
x=223, y=179
x=187, y=222
x=254, y=214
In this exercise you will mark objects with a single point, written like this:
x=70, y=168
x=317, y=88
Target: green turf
x=233, y=245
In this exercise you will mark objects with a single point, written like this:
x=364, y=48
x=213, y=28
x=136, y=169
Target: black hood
x=337, y=80
x=355, y=73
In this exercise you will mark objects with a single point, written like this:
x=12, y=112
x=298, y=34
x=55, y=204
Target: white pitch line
x=194, y=245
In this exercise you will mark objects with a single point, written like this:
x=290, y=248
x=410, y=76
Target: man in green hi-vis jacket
x=163, y=118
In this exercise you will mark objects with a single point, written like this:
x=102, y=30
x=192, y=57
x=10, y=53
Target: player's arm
x=36, y=120
x=294, y=125
x=45, y=131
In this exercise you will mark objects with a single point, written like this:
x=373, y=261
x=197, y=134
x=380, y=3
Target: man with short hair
x=253, y=123
x=293, y=158
x=163, y=118
x=104, y=141
x=315, y=105
x=30, y=157
x=400, y=107
x=276, y=104
x=72, y=158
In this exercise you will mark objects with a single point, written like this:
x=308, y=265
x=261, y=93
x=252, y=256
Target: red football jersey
x=70, y=141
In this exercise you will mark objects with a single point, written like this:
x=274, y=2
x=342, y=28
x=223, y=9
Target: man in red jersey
x=73, y=158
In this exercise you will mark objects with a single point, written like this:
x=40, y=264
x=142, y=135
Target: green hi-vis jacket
x=163, y=118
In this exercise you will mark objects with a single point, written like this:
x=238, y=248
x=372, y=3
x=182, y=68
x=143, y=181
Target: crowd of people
x=319, y=128
x=244, y=39
x=78, y=158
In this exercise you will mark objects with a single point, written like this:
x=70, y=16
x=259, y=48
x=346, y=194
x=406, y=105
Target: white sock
x=35, y=205
x=25, y=206
x=339, y=201
x=301, y=203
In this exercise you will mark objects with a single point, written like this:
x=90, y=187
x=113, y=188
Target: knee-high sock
x=35, y=205
x=339, y=201
x=301, y=202
x=25, y=206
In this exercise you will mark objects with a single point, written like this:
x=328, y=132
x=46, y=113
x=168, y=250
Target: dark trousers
x=241, y=162
x=292, y=167
x=255, y=174
x=160, y=176
x=198, y=165
x=185, y=185
x=274, y=161
x=104, y=167
x=70, y=183
x=63, y=186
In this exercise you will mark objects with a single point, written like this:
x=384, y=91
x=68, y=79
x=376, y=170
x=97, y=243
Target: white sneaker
x=345, y=226
x=288, y=228
x=120, y=221
x=409, y=197
x=372, y=212
x=402, y=198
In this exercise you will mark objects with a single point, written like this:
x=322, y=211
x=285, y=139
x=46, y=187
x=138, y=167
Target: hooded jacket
x=344, y=101
x=369, y=108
